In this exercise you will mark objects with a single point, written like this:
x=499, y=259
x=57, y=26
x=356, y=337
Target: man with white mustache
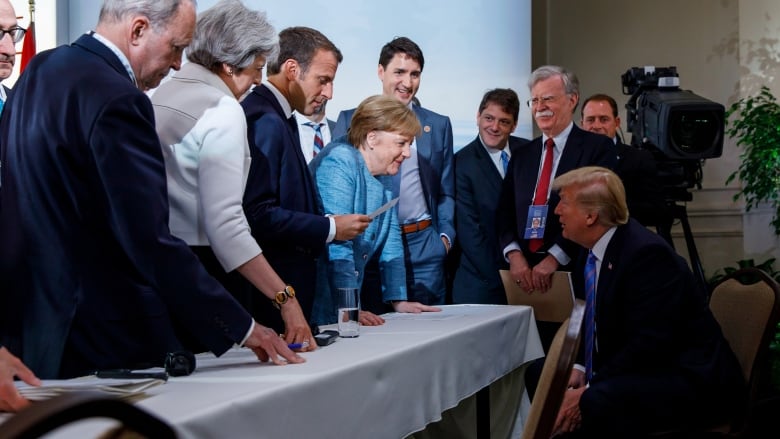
x=534, y=253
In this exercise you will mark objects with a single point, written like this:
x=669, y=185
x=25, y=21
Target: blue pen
x=298, y=345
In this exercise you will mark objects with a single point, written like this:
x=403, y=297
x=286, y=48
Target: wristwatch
x=283, y=296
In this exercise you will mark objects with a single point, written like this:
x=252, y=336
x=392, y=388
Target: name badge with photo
x=534, y=224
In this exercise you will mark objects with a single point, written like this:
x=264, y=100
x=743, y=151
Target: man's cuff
x=332, y=231
x=579, y=367
x=248, y=333
x=510, y=248
x=557, y=252
x=449, y=241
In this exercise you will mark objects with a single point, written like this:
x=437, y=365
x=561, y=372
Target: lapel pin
x=427, y=128
x=609, y=266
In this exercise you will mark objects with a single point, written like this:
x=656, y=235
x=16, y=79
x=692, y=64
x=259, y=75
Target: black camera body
x=679, y=127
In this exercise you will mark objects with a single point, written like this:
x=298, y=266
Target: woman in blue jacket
x=353, y=176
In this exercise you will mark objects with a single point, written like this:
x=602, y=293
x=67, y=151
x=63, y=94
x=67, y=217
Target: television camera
x=681, y=129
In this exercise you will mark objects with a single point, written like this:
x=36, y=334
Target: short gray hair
x=159, y=12
x=231, y=33
x=570, y=82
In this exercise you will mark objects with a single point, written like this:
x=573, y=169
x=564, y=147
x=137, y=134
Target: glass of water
x=348, y=312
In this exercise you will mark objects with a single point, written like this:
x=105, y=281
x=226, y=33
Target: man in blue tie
x=653, y=356
x=480, y=168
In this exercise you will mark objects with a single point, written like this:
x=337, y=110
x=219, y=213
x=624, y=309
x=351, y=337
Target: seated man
x=652, y=356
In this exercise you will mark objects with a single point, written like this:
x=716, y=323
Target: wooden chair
x=43, y=417
x=746, y=304
x=748, y=314
x=555, y=376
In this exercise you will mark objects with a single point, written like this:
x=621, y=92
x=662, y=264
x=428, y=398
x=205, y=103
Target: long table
x=389, y=382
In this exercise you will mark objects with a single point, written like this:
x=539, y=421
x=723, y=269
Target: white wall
x=469, y=48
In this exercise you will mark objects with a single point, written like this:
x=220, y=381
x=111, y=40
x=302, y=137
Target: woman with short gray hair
x=202, y=128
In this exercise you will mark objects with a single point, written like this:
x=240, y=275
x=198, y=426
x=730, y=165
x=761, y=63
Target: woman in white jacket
x=202, y=128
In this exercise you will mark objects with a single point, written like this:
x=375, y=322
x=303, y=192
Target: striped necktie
x=504, y=161
x=590, y=313
x=318, y=143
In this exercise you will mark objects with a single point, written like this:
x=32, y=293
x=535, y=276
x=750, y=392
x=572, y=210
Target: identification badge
x=534, y=224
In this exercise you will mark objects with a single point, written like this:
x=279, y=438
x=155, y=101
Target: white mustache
x=543, y=113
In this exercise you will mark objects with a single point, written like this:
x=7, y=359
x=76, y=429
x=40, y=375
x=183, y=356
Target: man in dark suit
x=281, y=201
x=92, y=278
x=636, y=167
x=534, y=253
x=479, y=171
x=653, y=357
x=425, y=184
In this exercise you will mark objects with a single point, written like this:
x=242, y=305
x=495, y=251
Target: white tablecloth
x=388, y=383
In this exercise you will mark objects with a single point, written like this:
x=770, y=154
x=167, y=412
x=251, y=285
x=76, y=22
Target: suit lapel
x=609, y=266
x=424, y=139
x=485, y=164
x=572, y=153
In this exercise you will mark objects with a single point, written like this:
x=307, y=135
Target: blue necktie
x=2, y=104
x=590, y=313
x=318, y=143
x=504, y=161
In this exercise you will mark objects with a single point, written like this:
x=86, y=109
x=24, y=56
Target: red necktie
x=542, y=186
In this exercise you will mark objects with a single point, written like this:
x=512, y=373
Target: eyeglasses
x=542, y=100
x=16, y=33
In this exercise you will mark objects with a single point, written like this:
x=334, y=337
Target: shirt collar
x=600, y=248
x=286, y=108
x=111, y=46
x=560, y=139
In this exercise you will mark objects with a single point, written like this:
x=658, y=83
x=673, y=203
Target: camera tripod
x=664, y=229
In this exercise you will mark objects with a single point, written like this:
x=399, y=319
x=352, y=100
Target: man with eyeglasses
x=534, y=253
x=480, y=168
x=9, y=27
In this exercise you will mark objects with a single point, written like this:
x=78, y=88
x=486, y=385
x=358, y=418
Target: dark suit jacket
x=637, y=169
x=652, y=319
x=478, y=187
x=92, y=278
x=582, y=149
x=281, y=201
x=434, y=154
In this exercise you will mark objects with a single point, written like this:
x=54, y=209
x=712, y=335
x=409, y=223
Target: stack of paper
x=121, y=388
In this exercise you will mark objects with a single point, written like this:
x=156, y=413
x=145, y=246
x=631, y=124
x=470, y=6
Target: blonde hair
x=598, y=189
x=381, y=113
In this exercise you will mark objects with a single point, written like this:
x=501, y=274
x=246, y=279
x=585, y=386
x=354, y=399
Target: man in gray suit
x=480, y=168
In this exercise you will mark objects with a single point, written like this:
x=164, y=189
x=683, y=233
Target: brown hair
x=381, y=113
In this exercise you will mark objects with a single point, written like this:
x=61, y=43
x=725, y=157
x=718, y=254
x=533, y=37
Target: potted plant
x=755, y=124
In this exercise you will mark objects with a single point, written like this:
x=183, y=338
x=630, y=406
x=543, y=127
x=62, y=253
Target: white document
x=383, y=209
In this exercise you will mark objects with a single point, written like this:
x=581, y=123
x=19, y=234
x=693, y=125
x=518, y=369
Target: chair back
x=43, y=417
x=748, y=314
x=555, y=376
